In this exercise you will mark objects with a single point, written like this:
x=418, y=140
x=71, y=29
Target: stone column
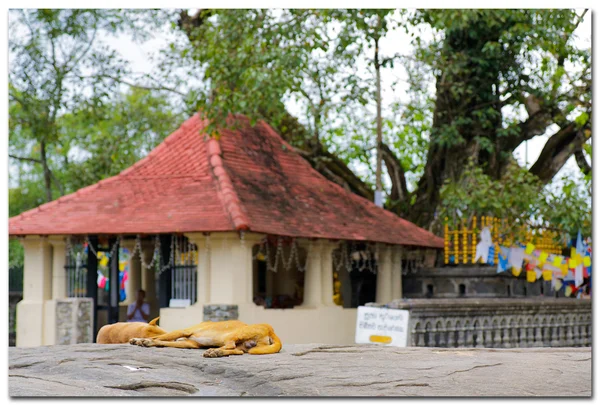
x=384, y=276
x=59, y=274
x=313, y=291
x=327, y=248
x=396, y=272
x=149, y=279
x=37, y=289
x=134, y=278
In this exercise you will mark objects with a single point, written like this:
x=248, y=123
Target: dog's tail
x=274, y=347
x=153, y=322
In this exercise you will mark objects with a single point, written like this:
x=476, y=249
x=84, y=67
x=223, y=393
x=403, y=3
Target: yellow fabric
x=568, y=291
x=587, y=261
x=557, y=261
x=572, y=263
x=529, y=248
x=531, y=276
x=516, y=272
x=547, y=275
x=543, y=257
x=564, y=269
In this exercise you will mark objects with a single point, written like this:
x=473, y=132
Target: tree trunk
x=378, y=170
x=47, y=174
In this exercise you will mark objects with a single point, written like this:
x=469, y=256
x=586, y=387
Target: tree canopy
x=477, y=84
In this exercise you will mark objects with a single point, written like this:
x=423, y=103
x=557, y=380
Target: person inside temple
x=139, y=311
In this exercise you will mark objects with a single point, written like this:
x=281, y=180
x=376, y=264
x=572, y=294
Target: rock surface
x=299, y=370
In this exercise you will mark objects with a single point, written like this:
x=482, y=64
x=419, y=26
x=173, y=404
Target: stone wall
x=497, y=322
x=470, y=282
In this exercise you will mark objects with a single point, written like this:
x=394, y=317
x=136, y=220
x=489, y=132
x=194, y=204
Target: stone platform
x=92, y=370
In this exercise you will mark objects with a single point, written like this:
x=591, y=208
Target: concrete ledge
x=299, y=370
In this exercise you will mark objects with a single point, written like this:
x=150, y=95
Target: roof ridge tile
x=225, y=188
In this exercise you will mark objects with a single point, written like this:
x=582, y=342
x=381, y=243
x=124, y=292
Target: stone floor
x=299, y=370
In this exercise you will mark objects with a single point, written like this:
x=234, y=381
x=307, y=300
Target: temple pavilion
x=235, y=226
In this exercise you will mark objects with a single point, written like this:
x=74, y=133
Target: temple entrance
x=354, y=274
x=278, y=273
x=92, y=270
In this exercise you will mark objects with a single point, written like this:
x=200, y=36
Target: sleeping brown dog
x=123, y=332
x=229, y=337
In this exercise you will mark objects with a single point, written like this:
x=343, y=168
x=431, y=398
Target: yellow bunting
x=564, y=269
x=573, y=252
x=122, y=266
x=547, y=275
x=104, y=261
x=557, y=261
x=572, y=263
x=557, y=285
x=543, y=257
x=531, y=276
x=516, y=272
x=529, y=248
x=568, y=291
x=578, y=259
x=587, y=261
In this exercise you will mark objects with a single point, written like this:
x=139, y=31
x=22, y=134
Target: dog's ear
x=153, y=322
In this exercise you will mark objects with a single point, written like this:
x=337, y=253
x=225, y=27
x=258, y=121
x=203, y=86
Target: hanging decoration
x=568, y=273
x=273, y=261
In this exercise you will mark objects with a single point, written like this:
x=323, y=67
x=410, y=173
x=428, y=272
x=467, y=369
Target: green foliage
x=518, y=197
x=515, y=196
x=569, y=208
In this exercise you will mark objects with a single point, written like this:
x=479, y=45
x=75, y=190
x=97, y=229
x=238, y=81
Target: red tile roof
x=249, y=179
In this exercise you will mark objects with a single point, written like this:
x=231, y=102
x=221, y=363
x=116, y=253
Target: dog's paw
x=213, y=353
x=141, y=342
x=135, y=341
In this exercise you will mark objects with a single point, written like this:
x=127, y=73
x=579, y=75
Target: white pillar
x=37, y=288
x=313, y=291
x=59, y=273
x=149, y=279
x=396, y=272
x=203, y=269
x=384, y=276
x=327, y=273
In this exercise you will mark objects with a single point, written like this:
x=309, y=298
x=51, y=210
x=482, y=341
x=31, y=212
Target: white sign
x=382, y=326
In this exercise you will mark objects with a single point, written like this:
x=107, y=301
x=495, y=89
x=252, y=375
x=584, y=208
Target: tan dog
x=123, y=332
x=230, y=337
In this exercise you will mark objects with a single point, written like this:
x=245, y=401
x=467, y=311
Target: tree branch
x=26, y=159
x=396, y=172
x=139, y=86
x=559, y=148
x=581, y=162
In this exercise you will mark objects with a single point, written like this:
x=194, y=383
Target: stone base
x=74, y=321
x=299, y=370
x=217, y=313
